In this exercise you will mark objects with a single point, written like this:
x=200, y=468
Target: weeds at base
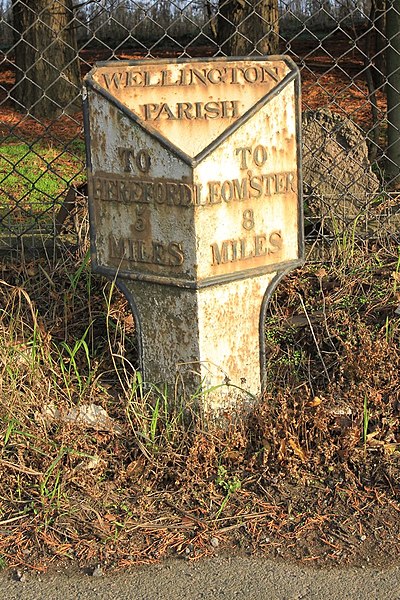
x=311, y=473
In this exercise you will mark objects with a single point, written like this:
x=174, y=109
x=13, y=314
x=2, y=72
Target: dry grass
x=311, y=473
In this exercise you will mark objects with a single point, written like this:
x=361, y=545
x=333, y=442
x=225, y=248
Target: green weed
x=74, y=370
x=228, y=485
x=366, y=416
x=49, y=487
x=396, y=273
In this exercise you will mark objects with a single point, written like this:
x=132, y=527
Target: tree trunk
x=393, y=91
x=46, y=58
x=248, y=27
x=376, y=42
x=375, y=68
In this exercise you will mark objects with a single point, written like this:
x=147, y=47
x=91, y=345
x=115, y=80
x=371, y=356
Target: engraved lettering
x=250, y=187
x=161, y=193
x=214, y=188
x=199, y=76
x=164, y=111
x=134, y=78
x=192, y=76
x=158, y=253
x=259, y=155
x=267, y=180
x=220, y=255
x=241, y=189
x=248, y=219
x=141, y=159
x=164, y=78
x=148, y=110
x=123, y=192
x=140, y=257
x=96, y=185
x=113, y=191
x=227, y=191
x=132, y=190
x=176, y=255
x=292, y=182
x=125, y=157
x=191, y=105
x=281, y=183
x=213, y=110
x=111, y=188
x=243, y=249
x=245, y=252
x=251, y=74
x=171, y=193
x=222, y=109
x=140, y=223
x=117, y=248
x=146, y=251
x=148, y=192
x=198, y=193
x=260, y=247
x=256, y=186
x=275, y=73
x=275, y=239
x=243, y=156
x=234, y=246
x=215, y=76
x=112, y=79
x=230, y=108
x=186, y=195
x=184, y=110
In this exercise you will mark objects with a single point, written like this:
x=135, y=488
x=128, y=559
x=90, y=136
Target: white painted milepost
x=195, y=207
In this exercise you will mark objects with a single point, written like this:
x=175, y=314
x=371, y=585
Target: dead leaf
x=316, y=401
x=297, y=450
x=282, y=450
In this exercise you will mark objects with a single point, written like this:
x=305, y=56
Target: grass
x=34, y=176
x=314, y=461
x=365, y=422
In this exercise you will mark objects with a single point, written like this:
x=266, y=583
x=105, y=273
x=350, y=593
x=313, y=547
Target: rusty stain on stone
x=195, y=205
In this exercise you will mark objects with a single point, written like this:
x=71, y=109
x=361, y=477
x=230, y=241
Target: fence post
x=393, y=91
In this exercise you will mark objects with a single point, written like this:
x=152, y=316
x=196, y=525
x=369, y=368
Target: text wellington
x=190, y=76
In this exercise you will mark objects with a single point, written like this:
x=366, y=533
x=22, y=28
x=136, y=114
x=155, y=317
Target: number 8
x=248, y=219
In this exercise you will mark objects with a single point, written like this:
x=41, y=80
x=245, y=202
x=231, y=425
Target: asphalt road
x=217, y=578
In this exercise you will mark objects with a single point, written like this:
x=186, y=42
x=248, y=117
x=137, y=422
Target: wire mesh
x=348, y=52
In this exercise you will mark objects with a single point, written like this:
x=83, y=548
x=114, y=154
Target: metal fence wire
x=348, y=52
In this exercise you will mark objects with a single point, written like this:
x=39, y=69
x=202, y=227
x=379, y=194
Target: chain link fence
x=348, y=53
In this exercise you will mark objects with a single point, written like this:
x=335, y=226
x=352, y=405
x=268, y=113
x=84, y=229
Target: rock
x=85, y=415
x=97, y=571
x=339, y=184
